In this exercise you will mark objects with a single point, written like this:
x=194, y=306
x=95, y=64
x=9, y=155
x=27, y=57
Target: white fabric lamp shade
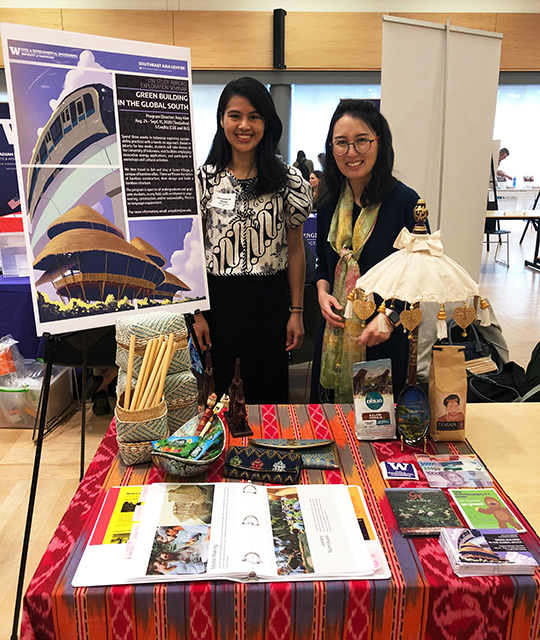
x=419, y=272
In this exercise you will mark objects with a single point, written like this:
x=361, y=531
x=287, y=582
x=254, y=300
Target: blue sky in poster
x=38, y=89
x=178, y=240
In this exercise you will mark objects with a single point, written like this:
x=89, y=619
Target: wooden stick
x=127, y=393
x=164, y=369
x=153, y=377
x=149, y=366
x=142, y=374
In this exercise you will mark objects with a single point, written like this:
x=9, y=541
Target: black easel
x=50, y=346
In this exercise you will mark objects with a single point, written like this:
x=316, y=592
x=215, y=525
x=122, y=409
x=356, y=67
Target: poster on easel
x=10, y=203
x=104, y=147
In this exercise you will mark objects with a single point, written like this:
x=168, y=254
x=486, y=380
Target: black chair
x=492, y=228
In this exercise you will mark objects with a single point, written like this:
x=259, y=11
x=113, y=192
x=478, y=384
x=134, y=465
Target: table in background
x=532, y=215
x=423, y=599
x=17, y=316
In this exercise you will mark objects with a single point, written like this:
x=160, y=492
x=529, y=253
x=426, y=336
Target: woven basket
x=176, y=418
x=145, y=327
x=135, y=452
x=180, y=389
x=141, y=426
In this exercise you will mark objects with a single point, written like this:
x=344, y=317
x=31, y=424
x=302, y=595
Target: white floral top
x=247, y=234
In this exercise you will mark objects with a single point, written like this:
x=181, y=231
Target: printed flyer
x=103, y=137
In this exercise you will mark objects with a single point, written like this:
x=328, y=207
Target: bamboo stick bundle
x=164, y=369
x=127, y=394
x=143, y=375
x=153, y=376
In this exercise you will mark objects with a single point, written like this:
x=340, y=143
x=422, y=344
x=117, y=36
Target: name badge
x=223, y=200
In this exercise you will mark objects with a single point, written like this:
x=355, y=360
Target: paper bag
x=447, y=394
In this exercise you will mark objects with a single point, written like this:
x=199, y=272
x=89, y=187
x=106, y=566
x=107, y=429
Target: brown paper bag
x=447, y=394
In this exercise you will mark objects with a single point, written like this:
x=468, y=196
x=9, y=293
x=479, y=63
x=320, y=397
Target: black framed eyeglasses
x=361, y=145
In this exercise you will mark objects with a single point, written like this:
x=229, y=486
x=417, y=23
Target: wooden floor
x=515, y=296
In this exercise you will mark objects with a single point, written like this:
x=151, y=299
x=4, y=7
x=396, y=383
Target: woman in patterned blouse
x=253, y=207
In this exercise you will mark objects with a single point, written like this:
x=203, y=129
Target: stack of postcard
x=485, y=552
x=244, y=532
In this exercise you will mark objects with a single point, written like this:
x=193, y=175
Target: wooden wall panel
x=334, y=41
x=521, y=42
x=226, y=39
x=49, y=18
x=144, y=26
x=313, y=40
x=482, y=21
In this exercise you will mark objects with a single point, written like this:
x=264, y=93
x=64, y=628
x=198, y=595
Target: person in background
x=363, y=211
x=321, y=158
x=501, y=175
x=253, y=208
x=316, y=180
x=303, y=164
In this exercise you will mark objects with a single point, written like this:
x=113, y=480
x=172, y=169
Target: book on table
x=485, y=509
x=421, y=512
x=484, y=552
x=451, y=470
x=237, y=531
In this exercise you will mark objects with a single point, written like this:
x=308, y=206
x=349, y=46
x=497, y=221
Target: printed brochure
x=485, y=509
x=484, y=552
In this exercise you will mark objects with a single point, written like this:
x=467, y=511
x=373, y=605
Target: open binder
x=235, y=531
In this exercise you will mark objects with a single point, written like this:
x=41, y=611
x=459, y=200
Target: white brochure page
x=335, y=540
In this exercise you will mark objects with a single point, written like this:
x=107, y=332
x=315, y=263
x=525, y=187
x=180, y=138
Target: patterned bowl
x=177, y=466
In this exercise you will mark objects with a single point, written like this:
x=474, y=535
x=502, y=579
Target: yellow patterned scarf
x=340, y=347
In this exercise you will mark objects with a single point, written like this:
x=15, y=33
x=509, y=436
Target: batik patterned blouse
x=246, y=234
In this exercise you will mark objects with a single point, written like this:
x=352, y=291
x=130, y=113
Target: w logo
x=15, y=51
x=398, y=466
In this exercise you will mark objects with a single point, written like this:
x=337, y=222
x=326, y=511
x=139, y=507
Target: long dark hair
x=271, y=172
x=382, y=181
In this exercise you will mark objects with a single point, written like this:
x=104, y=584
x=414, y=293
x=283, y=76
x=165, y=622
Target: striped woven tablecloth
x=424, y=599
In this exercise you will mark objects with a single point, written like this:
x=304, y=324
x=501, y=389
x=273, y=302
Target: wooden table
x=423, y=600
x=531, y=215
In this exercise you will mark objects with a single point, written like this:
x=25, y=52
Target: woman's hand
x=295, y=332
x=202, y=331
x=329, y=305
x=371, y=336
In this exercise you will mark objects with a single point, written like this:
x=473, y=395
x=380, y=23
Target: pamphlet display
x=104, y=148
x=237, y=531
x=486, y=552
x=421, y=512
x=485, y=509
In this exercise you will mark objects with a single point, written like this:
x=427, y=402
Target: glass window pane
x=517, y=126
x=312, y=107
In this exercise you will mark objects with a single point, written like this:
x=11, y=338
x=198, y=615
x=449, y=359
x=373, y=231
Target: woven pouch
x=138, y=426
x=262, y=465
x=315, y=454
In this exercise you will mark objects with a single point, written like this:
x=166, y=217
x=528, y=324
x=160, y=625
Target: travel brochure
x=236, y=531
x=486, y=552
x=449, y=470
x=485, y=509
x=421, y=512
